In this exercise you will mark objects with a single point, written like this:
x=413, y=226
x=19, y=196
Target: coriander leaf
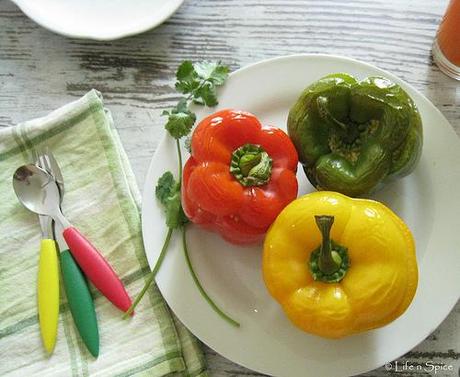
x=187, y=78
x=220, y=74
x=168, y=193
x=205, y=69
x=180, y=124
x=182, y=106
x=180, y=120
x=214, y=72
x=165, y=187
x=175, y=216
x=185, y=71
x=206, y=95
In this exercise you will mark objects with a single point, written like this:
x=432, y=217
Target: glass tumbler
x=446, y=46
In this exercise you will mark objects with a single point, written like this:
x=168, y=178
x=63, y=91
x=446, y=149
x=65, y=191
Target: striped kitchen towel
x=102, y=200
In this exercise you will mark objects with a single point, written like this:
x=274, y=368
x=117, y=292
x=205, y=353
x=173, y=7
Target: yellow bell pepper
x=338, y=265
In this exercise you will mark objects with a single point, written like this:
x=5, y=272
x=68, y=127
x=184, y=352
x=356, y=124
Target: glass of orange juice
x=446, y=47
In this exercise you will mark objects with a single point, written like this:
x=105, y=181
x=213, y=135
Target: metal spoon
x=39, y=193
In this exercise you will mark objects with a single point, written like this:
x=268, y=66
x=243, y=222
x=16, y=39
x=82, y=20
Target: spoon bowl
x=36, y=190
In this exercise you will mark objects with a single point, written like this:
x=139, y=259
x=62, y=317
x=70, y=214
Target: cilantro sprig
x=168, y=193
x=199, y=83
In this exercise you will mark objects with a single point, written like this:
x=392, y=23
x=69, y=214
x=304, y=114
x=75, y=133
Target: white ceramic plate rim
x=45, y=22
x=436, y=317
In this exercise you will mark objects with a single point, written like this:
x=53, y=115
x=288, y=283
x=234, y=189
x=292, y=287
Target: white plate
x=98, y=19
x=428, y=200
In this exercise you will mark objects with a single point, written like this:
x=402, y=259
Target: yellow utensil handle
x=48, y=293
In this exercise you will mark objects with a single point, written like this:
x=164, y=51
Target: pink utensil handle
x=96, y=268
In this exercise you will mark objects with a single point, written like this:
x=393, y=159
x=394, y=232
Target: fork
x=48, y=281
x=78, y=295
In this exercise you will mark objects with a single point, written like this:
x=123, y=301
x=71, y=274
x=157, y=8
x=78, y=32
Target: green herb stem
x=193, y=94
x=179, y=156
x=152, y=274
x=200, y=287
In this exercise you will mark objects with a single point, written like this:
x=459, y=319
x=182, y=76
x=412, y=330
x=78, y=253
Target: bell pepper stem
x=350, y=131
x=323, y=103
x=249, y=161
x=329, y=261
x=251, y=165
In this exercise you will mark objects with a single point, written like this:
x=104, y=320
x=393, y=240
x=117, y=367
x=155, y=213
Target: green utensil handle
x=80, y=302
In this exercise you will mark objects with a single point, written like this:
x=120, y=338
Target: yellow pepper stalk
x=338, y=265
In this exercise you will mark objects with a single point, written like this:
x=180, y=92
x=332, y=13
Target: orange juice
x=446, y=49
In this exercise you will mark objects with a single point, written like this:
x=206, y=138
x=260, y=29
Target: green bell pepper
x=352, y=136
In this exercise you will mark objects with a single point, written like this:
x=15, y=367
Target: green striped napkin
x=102, y=200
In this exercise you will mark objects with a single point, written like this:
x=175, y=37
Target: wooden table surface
x=40, y=71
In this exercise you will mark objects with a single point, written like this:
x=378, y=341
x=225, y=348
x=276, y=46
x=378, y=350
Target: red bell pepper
x=239, y=177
